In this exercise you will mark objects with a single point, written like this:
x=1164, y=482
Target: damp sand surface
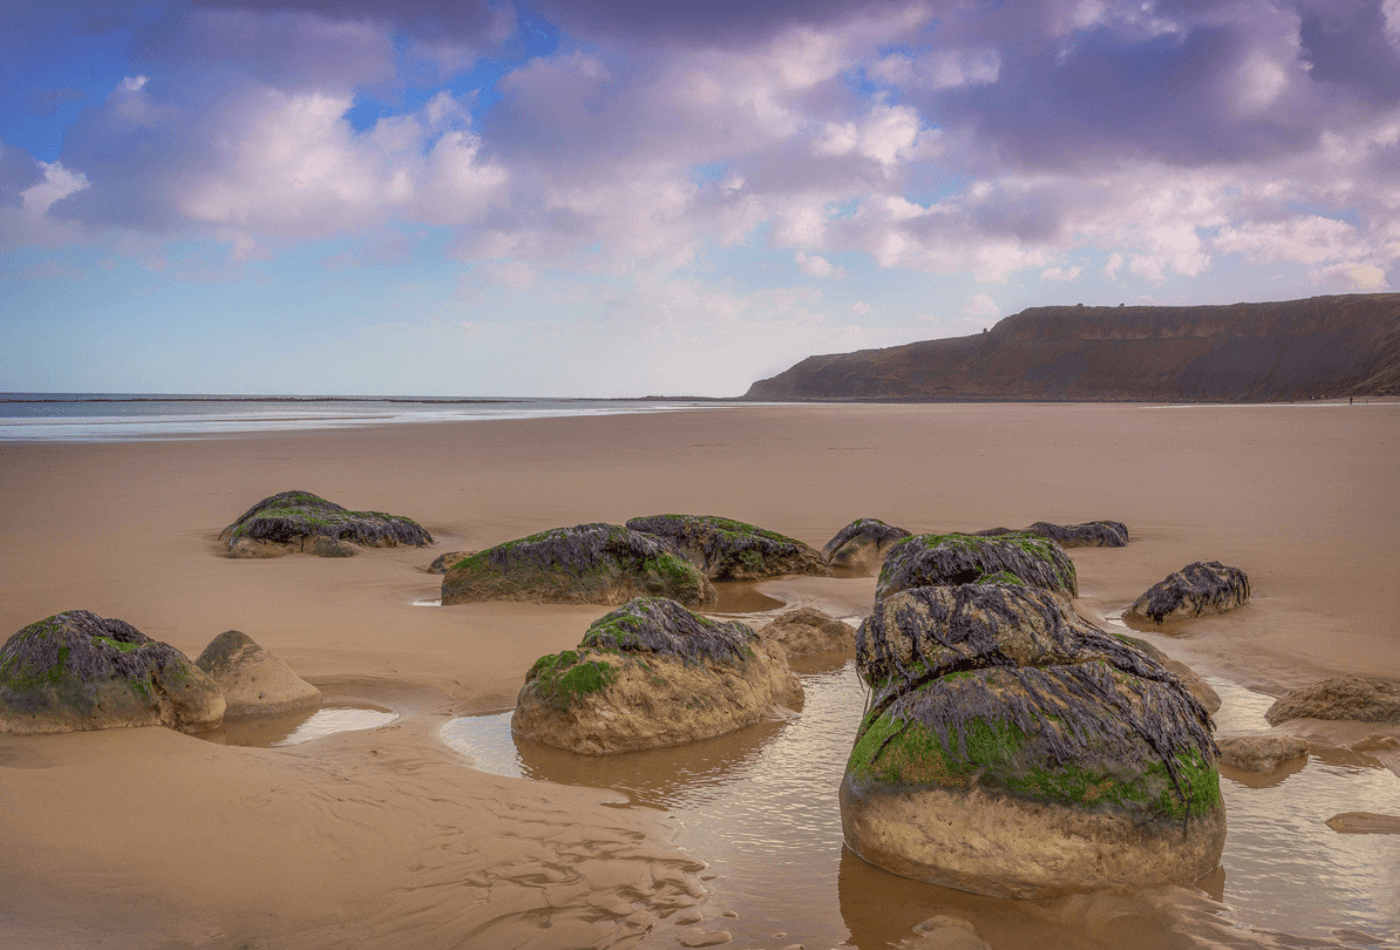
x=387, y=838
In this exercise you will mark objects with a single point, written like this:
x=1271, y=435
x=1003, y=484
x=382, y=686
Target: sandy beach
x=386, y=838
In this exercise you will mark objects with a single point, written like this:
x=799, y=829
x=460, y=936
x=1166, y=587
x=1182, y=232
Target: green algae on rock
x=926, y=560
x=863, y=543
x=298, y=521
x=726, y=549
x=1204, y=587
x=76, y=671
x=1090, y=534
x=585, y=564
x=1013, y=749
x=254, y=681
x=652, y=674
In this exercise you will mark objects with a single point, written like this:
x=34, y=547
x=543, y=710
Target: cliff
x=1298, y=349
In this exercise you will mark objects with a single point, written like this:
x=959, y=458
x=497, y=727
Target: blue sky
x=621, y=198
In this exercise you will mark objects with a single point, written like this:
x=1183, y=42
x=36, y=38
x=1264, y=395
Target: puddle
x=743, y=597
x=429, y=601
x=760, y=806
x=295, y=728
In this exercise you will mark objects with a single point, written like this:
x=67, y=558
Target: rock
x=732, y=550
x=1260, y=753
x=652, y=674
x=1090, y=534
x=808, y=630
x=254, y=681
x=1012, y=749
x=443, y=562
x=944, y=933
x=300, y=522
x=1359, y=698
x=931, y=560
x=705, y=938
x=586, y=564
x=862, y=544
x=77, y=671
x=1205, y=587
x=1364, y=823
x=1190, y=678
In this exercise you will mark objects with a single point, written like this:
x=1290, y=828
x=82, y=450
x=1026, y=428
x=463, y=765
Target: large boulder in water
x=1012, y=749
x=1090, y=534
x=298, y=521
x=586, y=564
x=934, y=560
x=254, y=681
x=1205, y=587
x=1356, y=698
x=77, y=671
x=862, y=544
x=652, y=674
x=729, y=550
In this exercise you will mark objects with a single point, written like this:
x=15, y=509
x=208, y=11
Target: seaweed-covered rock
x=862, y=544
x=586, y=564
x=254, y=681
x=77, y=671
x=932, y=560
x=1205, y=587
x=808, y=630
x=1090, y=534
x=443, y=562
x=726, y=549
x=1358, y=698
x=1260, y=753
x=1189, y=678
x=1013, y=749
x=300, y=522
x=652, y=674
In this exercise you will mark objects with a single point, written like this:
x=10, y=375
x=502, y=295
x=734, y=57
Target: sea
x=123, y=417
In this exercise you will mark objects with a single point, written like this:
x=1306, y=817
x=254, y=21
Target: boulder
x=862, y=544
x=1358, y=698
x=728, y=550
x=1012, y=749
x=299, y=522
x=1260, y=753
x=1090, y=534
x=1364, y=823
x=808, y=630
x=77, y=671
x=1205, y=587
x=933, y=560
x=586, y=564
x=652, y=674
x=443, y=562
x=254, y=681
x=1189, y=678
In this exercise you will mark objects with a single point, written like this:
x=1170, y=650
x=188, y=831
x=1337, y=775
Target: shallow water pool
x=296, y=728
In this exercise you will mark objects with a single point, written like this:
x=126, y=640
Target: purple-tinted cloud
x=475, y=23
x=18, y=171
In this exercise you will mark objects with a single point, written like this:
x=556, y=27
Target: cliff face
x=1297, y=349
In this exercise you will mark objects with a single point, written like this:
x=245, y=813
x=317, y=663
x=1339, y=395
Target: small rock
x=254, y=681
x=1204, y=587
x=1090, y=534
x=945, y=933
x=1358, y=698
x=295, y=521
x=690, y=918
x=862, y=544
x=701, y=938
x=1364, y=823
x=808, y=630
x=444, y=561
x=1260, y=753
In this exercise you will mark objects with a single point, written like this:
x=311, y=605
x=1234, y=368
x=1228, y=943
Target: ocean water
x=121, y=417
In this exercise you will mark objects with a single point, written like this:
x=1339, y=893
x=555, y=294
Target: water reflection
x=298, y=727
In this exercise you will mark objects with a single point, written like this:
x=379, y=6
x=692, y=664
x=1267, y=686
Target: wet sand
x=384, y=838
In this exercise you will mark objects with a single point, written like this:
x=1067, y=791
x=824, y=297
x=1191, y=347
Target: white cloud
x=981, y=305
x=861, y=308
x=1061, y=274
x=814, y=265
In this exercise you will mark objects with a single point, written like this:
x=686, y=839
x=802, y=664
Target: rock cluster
x=652, y=674
x=1090, y=534
x=862, y=544
x=78, y=671
x=586, y=564
x=938, y=559
x=1205, y=587
x=1359, y=698
x=254, y=681
x=726, y=549
x=806, y=630
x=299, y=522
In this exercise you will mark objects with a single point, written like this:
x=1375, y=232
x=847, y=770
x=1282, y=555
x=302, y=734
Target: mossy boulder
x=443, y=562
x=76, y=671
x=300, y=522
x=1090, y=534
x=862, y=544
x=586, y=564
x=933, y=560
x=1351, y=697
x=652, y=674
x=729, y=550
x=1205, y=587
x=1015, y=750
x=254, y=681
x=1192, y=680
x=804, y=630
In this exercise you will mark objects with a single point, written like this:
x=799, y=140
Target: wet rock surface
x=1364, y=823
x=726, y=549
x=808, y=630
x=1090, y=534
x=1205, y=587
x=931, y=560
x=254, y=681
x=76, y=671
x=299, y=522
x=1358, y=698
x=585, y=564
x=862, y=544
x=1192, y=680
x=1015, y=750
x=652, y=674
x=1260, y=753
x=443, y=562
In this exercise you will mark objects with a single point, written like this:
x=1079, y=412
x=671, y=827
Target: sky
x=595, y=198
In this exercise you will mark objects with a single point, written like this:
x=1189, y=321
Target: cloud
x=861, y=308
x=980, y=305
x=1061, y=274
x=814, y=265
x=18, y=171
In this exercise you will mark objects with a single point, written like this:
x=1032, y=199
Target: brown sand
x=382, y=839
